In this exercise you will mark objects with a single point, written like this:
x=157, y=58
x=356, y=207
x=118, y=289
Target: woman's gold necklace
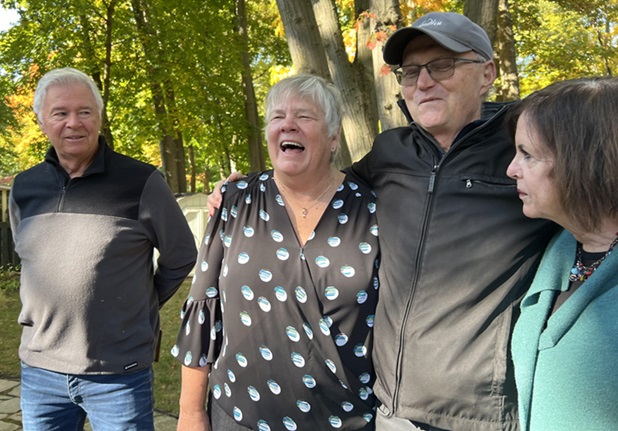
x=305, y=210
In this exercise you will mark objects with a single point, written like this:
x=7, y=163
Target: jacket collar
x=535, y=331
x=488, y=110
x=97, y=165
x=553, y=276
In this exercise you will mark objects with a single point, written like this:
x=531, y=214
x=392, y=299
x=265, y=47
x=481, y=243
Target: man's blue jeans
x=56, y=401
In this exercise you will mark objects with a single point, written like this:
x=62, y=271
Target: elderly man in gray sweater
x=86, y=222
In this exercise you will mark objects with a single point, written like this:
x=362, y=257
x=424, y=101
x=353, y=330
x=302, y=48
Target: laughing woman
x=564, y=345
x=278, y=322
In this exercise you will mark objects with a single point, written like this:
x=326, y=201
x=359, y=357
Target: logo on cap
x=430, y=21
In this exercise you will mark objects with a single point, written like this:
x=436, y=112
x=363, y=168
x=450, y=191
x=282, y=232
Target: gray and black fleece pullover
x=90, y=290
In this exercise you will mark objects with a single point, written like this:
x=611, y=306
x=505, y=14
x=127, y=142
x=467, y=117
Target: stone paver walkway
x=10, y=413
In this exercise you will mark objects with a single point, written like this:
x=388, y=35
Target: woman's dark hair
x=577, y=122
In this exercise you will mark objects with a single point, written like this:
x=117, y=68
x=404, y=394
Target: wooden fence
x=8, y=257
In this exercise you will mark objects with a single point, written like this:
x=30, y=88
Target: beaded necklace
x=580, y=271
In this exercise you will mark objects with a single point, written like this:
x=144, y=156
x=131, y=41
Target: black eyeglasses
x=439, y=69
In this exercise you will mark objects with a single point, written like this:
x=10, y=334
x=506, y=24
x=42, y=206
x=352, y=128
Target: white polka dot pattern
x=288, y=329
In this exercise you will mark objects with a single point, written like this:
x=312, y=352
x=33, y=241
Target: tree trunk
x=107, y=73
x=505, y=50
x=207, y=178
x=170, y=143
x=178, y=143
x=192, y=170
x=385, y=18
x=303, y=37
x=254, y=138
x=363, y=61
x=485, y=14
x=360, y=118
x=89, y=52
x=307, y=52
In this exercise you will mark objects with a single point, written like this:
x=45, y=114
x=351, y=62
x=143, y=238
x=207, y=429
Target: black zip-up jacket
x=457, y=256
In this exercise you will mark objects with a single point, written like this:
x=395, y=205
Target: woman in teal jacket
x=565, y=345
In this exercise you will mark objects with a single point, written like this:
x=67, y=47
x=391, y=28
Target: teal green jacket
x=567, y=371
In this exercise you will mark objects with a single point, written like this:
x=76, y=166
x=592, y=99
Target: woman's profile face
x=297, y=135
x=532, y=167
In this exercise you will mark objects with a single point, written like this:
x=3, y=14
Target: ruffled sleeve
x=200, y=335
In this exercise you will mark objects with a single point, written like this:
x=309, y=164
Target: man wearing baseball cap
x=457, y=252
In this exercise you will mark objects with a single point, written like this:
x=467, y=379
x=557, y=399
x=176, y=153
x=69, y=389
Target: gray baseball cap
x=453, y=31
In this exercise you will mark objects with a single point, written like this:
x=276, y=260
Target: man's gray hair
x=324, y=94
x=64, y=76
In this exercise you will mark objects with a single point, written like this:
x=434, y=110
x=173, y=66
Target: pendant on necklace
x=581, y=272
x=305, y=211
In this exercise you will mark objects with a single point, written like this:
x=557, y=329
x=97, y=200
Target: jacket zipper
x=471, y=182
x=430, y=189
x=64, y=185
x=63, y=193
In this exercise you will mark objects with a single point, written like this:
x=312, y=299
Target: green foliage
x=564, y=39
x=197, y=56
x=8, y=160
x=6, y=115
x=9, y=279
x=413, y=10
x=167, y=368
x=10, y=333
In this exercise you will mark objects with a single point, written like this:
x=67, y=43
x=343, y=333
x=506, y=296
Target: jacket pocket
x=470, y=183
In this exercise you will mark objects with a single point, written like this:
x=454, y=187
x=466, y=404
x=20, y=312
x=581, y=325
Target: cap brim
x=397, y=43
